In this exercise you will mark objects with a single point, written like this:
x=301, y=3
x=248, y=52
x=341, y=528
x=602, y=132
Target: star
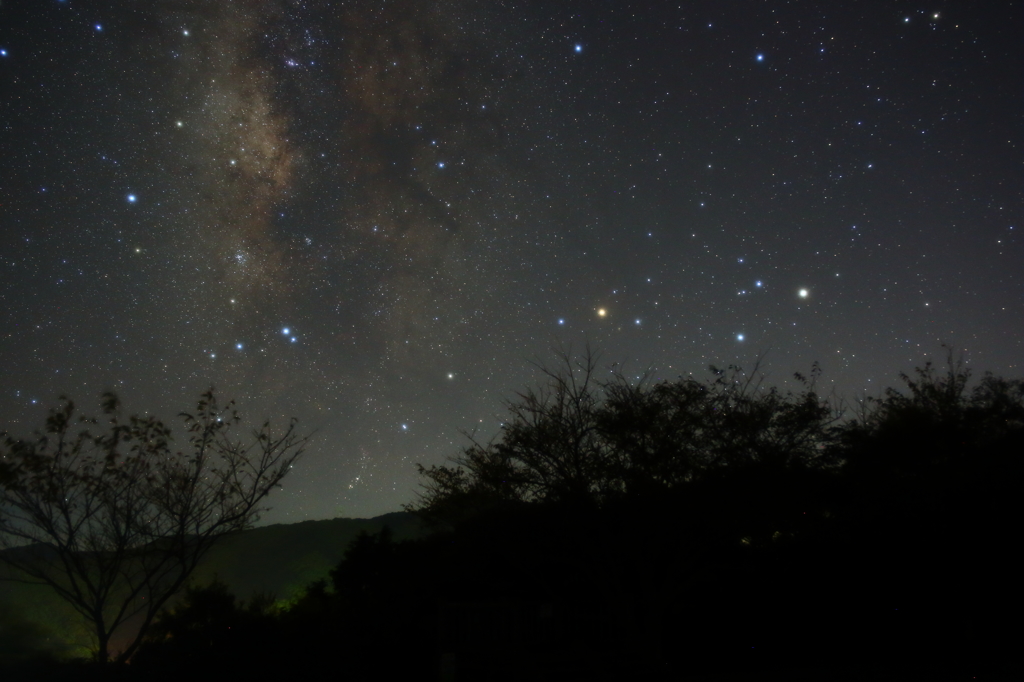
x=329, y=214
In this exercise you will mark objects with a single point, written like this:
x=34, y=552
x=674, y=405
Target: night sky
x=374, y=215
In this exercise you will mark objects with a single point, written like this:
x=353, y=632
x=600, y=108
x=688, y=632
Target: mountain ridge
x=277, y=560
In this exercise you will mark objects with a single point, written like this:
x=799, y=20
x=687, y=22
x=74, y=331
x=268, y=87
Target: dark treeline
x=656, y=530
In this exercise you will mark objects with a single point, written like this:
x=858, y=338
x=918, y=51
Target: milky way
x=375, y=215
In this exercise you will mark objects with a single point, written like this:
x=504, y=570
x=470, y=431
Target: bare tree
x=115, y=520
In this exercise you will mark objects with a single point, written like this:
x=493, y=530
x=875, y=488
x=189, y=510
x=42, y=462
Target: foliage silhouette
x=577, y=439
x=209, y=629
x=811, y=536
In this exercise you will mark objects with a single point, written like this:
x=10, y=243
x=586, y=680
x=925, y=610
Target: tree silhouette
x=936, y=421
x=209, y=629
x=114, y=520
x=578, y=439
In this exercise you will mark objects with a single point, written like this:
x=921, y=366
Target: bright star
x=440, y=164
x=760, y=57
x=131, y=198
x=286, y=331
x=238, y=346
x=98, y=27
x=757, y=283
x=601, y=312
x=739, y=337
x=803, y=293
x=3, y=53
x=578, y=48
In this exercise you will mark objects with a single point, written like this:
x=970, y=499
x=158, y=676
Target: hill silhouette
x=278, y=560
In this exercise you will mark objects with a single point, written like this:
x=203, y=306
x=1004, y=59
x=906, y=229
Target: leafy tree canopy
x=582, y=439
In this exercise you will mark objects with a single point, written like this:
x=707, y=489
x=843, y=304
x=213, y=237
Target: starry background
x=375, y=216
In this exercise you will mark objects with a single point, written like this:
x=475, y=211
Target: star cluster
x=375, y=215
